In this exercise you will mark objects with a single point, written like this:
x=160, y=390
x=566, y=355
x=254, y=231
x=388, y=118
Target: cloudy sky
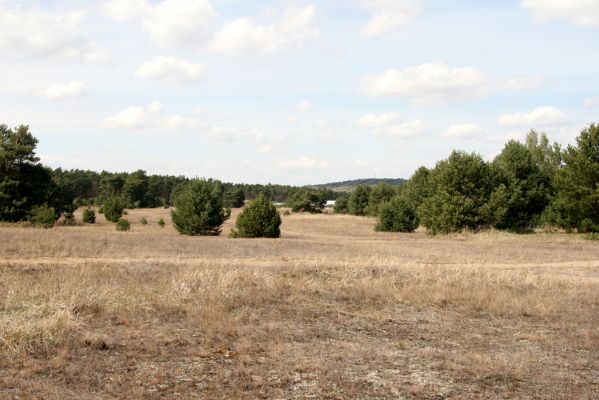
x=296, y=91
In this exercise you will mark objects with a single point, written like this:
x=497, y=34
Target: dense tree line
x=527, y=185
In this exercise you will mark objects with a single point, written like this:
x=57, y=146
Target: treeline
x=26, y=185
x=526, y=186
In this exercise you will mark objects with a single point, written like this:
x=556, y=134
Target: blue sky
x=293, y=92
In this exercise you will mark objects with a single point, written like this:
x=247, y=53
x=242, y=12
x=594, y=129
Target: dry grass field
x=331, y=310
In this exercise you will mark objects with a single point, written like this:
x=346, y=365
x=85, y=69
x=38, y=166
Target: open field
x=330, y=310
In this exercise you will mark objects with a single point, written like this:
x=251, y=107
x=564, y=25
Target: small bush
x=260, y=219
x=113, y=209
x=123, y=225
x=592, y=236
x=101, y=210
x=161, y=222
x=397, y=215
x=143, y=221
x=68, y=220
x=287, y=213
x=89, y=216
x=43, y=216
x=125, y=212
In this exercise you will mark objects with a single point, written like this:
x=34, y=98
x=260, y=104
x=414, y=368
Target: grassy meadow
x=331, y=310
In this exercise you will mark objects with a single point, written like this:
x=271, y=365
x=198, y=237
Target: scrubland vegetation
x=331, y=309
x=328, y=303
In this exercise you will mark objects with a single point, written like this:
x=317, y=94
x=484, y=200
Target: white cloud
x=389, y=15
x=303, y=163
x=121, y=10
x=265, y=150
x=171, y=70
x=292, y=119
x=591, y=102
x=323, y=123
x=37, y=33
x=131, y=117
x=437, y=83
x=462, y=131
x=62, y=90
x=378, y=120
x=580, y=12
x=407, y=130
x=539, y=116
x=169, y=22
x=304, y=105
x=244, y=36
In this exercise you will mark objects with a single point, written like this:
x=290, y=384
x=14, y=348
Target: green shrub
x=125, y=212
x=68, y=220
x=397, y=215
x=287, y=213
x=43, y=216
x=307, y=200
x=143, y=221
x=379, y=195
x=358, y=200
x=259, y=219
x=113, y=208
x=89, y=216
x=199, y=209
x=341, y=203
x=592, y=236
x=123, y=225
x=101, y=210
x=161, y=222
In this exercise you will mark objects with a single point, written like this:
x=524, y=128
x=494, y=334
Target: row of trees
x=527, y=185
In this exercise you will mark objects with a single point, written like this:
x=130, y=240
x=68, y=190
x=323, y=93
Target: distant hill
x=348, y=186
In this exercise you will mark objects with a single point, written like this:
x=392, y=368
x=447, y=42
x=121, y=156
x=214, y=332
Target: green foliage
x=101, y=210
x=143, y=221
x=419, y=187
x=43, y=216
x=592, y=236
x=123, y=225
x=135, y=189
x=358, y=200
x=287, y=213
x=161, y=222
x=307, y=200
x=89, y=216
x=259, y=219
x=234, y=197
x=577, y=200
x=460, y=188
x=199, y=209
x=522, y=189
x=113, y=208
x=24, y=182
x=397, y=215
x=341, y=204
x=379, y=194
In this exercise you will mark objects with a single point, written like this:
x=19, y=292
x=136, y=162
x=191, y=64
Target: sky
x=293, y=92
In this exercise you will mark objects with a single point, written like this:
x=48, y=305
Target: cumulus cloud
x=245, y=36
x=303, y=163
x=36, y=33
x=580, y=12
x=539, y=116
x=171, y=70
x=265, y=150
x=378, y=120
x=437, y=83
x=304, y=105
x=389, y=15
x=62, y=90
x=407, y=130
x=169, y=22
x=462, y=131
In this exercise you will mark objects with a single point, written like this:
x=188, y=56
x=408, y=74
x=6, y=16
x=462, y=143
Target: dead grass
x=331, y=310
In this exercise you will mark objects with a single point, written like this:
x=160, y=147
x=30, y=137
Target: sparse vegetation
x=161, y=222
x=143, y=221
x=88, y=216
x=123, y=225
